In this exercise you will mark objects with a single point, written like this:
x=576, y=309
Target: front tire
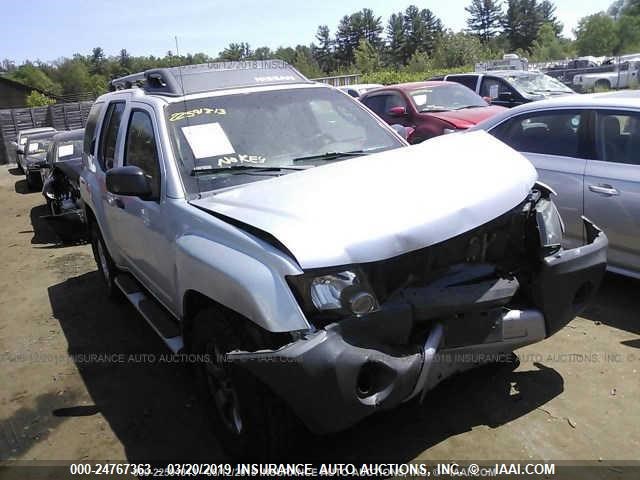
x=249, y=420
x=106, y=266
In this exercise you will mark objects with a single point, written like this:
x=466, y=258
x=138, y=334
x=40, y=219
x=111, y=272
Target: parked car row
x=51, y=162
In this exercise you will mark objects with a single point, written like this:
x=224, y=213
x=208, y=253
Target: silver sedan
x=587, y=148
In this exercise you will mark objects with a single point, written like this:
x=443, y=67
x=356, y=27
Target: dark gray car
x=34, y=157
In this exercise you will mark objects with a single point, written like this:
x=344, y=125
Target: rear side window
x=141, y=150
x=550, y=133
x=376, y=103
x=618, y=137
x=90, y=128
x=109, y=135
x=468, y=81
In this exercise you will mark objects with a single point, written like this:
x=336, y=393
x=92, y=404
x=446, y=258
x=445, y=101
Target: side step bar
x=155, y=315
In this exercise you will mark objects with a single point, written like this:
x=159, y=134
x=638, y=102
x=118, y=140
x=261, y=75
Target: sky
x=48, y=29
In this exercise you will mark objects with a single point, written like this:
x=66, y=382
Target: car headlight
x=342, y=292
x=550, y=226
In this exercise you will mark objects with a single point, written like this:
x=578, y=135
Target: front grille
x=500, y=242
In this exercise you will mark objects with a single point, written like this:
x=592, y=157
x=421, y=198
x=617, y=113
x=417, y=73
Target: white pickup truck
x=624, y=76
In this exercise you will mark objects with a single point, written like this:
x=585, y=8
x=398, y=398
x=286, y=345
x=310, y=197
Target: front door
x=612, y=187
x=140, y=224
x=558, y=143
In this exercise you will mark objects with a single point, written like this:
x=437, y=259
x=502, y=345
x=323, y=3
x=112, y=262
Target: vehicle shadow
x=492, y=395
x=151, y=406
x=149, y=402
x=43, y=234
x=15, y=171
x=55, y=232
x=22, y=187
x=616, y=304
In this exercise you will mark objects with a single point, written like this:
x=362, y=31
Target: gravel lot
x=574, y=396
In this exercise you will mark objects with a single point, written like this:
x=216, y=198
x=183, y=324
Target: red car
x=429, y=108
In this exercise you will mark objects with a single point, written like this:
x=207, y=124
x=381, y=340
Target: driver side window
x=493, y=87
x=141, y=150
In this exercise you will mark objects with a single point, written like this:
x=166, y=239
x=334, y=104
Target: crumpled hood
x=382, y=205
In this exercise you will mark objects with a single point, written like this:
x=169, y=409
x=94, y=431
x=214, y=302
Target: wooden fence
x=61, y=116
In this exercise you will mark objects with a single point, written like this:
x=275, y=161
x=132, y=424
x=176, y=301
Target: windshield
x=38, y=145
x=445, y=97
x=272, y=129
x=69, y=149
x=538, y=83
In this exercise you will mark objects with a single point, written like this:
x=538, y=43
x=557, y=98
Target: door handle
x=115, y=201
x=604, y=189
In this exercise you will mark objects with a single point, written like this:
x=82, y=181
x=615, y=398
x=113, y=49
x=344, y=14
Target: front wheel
x=106, y=267
x=250, y=421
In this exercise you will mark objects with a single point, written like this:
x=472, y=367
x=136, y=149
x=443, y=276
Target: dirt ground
x=574, y=396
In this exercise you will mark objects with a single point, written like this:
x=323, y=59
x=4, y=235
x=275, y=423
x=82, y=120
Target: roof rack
x=205, y=77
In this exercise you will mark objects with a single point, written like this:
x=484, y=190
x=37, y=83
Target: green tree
x=366, y=57
x=547, y=14
x=236, y=52
x=458, y=49
x=485, y=18
x=323, y=52
x=261, y=53
x=305, y=63
x=550, y=47
x=352, y=28
x=396, y=40
x=422, y=31
x=419, y=62
x=37, y=99
x=596, y=35
x=628, y=34
x=521, y=23
x=32, y=76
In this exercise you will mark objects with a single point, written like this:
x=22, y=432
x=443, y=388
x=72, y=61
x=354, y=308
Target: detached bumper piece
x=568, y=279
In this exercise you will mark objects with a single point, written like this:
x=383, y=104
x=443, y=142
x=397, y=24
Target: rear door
x=612, y=186
x=558, y=143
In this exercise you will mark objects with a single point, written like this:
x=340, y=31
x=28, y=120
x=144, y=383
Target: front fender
x=239, y=282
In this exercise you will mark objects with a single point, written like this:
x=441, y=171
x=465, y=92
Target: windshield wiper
x=428, y=110
x=470, y=106
x=204, y=170
x=330, y=156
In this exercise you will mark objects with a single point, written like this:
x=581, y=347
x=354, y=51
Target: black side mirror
x=20, y=151
x=505, y=96
x=129, y=180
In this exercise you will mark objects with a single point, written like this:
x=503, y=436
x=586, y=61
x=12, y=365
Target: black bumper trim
x=569, y=279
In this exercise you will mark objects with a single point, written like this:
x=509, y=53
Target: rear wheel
x=249, y=420
x=603, y=85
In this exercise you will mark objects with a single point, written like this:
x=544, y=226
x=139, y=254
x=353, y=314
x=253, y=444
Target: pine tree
x=396, y=36
x=485, y=18
x=323, y=52
x=522, y=23
x=546, y=11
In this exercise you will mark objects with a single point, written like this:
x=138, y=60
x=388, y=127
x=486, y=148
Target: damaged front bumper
x=334, y=377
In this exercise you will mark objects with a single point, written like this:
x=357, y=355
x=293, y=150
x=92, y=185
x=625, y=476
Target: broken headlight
x=550, y=226
x=344, y=292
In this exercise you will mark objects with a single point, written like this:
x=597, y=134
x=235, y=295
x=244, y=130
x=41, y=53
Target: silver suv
x=316, y=267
